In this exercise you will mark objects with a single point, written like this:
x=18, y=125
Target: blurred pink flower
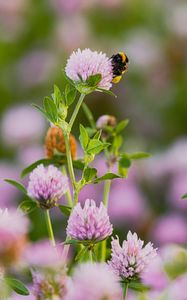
x=68, y=7
x=169, y=162
x=12, y=18
x=22, y=125
x=78, y=36
x=86, y=62
x=36, y=68
x=50, y=285
x=90, y=223
x=30, y=154
x=42, y=254
x=13, y=230
x=169, y=229
x=95, y=282
x=132, y=258
x=126, y=204
x=155, y=275
x=177, y=289
x=176, y=18
x=9, y=194
x=177, y=188
x=144, y=49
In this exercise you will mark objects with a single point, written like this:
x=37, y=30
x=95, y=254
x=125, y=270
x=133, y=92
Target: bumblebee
x=119, y=66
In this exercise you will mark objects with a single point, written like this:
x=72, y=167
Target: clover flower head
x=47, y=185
x=90, y=223
x=86, y=63
x=130, y=260
x=96, y=281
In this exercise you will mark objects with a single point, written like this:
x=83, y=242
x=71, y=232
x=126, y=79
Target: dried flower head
x=54, y=140
x=94, y=282
x=85, y=63
x=13, y=229
x=90, y=223
x=132, y=258
x=47, y=185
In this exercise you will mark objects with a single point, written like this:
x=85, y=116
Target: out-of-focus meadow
x=36, y=38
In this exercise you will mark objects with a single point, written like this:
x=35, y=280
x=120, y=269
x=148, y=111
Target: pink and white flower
x=90, y=223
x=132, y=258
x=86, y=63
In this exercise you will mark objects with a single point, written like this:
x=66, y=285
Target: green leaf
x=94, y=80
x=70, y=94
x=70, y=242
x=139, y=155
x=184, y=196
x=57, y=160
x=18, y=185
x=97, y=135
x=84, y=138
x=123, y=172
x=118, y=140
x=107, y=176
x=89, y=174
x=89, y=115
x=124, y=162
x=138, y=286
x=46, y=115
x=57, y=96
x=28, y=206
x=106, y=91
x=17, y=286
x=95, y=146
x=51, y=109
x=81, y=254
x=121, y=126
x=78, y=164
x=70, y=81
x=66, y=210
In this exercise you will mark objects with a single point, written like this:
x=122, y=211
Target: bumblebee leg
x=116, y=79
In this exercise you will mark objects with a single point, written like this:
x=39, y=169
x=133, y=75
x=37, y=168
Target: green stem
x=125, y=291
x=106, y=192
x=90, y=256
x=49, y=227
x=76, y=110
x=69, y=159
x=68, y=193
x=89, y=115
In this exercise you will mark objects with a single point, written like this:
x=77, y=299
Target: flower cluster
x=47, y=185
x=130, y=260
x=90, y=223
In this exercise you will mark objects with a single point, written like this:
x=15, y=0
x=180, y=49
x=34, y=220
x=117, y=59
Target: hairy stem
x=49, y=227
x=69, y=160
x=68, y=193
x=125, y=291
x=76, y=110
x=89, y=115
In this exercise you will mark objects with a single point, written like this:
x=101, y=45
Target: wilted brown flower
x=54, y=140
